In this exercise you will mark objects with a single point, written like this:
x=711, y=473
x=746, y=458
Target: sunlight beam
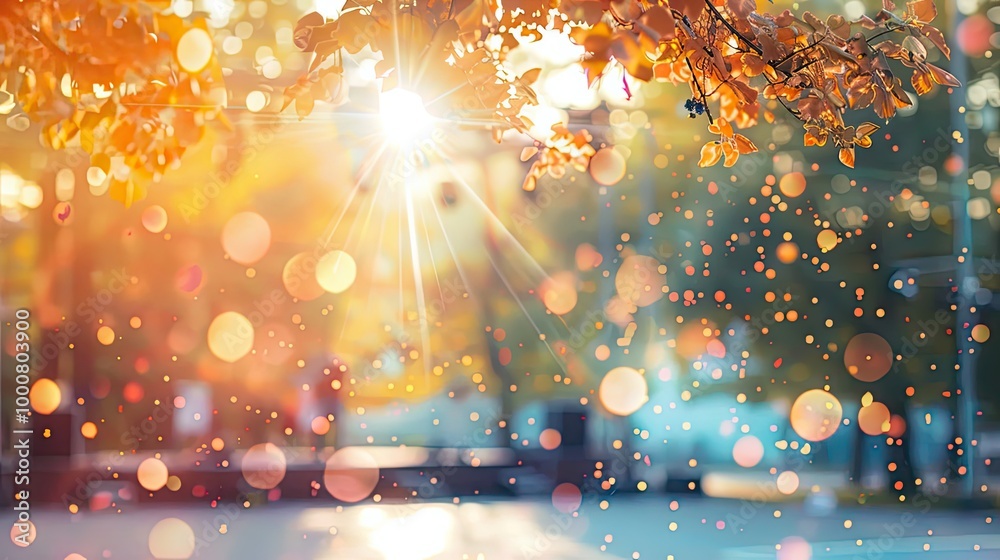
x=418, y=284
x=403, y=115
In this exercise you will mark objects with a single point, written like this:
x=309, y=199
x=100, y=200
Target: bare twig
x=704, y=101
x=783, y=59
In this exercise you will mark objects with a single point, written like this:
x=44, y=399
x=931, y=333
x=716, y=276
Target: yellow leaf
x=126, y=192
x=711, y=153
x=729, y=150
x=304, y=105
x=101, y=161
x=721, y=127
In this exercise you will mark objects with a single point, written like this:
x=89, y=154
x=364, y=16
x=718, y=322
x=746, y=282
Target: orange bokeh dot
x=152, y=474
x=793, y=184
x=351, y=474
x=788, y=252
x=897, y=426
x=45, y=396
x=264, y=466
x=826, y=240
x=299, y=277
x=639, y=280
x=788, y=482
x=874, y=419
x=607, y=166
x=320, y=425
x=567, y=497
x=980, y=333
x=133, y=392
x=154, y=219
x=550, y=439
x=816, y=415
x=559, y=293
x=748, y=451
x=587, y=257
x=89, y=430
x=246, y=237
x=868, y=357
x=21, y=537
x=623, y=391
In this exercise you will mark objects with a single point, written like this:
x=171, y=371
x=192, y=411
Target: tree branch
x=777, y=63
x=888, y=30
x=718, y=15
x=697, y=84
x=44, y=39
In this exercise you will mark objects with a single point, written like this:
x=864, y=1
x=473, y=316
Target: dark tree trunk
x=505, y=377
x=903, y=479
x=858, y=446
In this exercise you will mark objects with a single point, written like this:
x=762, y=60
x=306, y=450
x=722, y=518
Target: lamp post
x=965, y=279
x=965, y=276
x=962, y=264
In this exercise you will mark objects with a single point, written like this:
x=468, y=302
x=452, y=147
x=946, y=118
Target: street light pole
x=961, y=263
x=965, y=275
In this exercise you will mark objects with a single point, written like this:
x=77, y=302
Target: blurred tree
x=130, y=85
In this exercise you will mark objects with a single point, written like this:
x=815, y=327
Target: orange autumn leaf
x=730, y=153
x=744, y=145
x=711, y=153
x=127, y=192
x=923, y=11
x=721, y=127
x=847, y=157
x=735, y=58
x=863, y=134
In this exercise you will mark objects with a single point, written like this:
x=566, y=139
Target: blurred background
x=342, y=337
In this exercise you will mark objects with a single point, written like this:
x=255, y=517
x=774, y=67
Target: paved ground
x=705, y=529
